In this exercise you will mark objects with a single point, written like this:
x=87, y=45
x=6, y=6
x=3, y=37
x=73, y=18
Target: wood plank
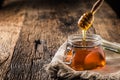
x=46, y=26
x=10, y=26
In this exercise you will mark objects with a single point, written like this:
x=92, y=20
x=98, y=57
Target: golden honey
x=85, y=57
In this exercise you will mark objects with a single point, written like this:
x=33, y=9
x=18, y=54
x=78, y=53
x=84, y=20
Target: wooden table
x=32, y=31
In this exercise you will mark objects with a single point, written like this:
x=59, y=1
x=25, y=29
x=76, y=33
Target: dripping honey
x=85, y=58
x=85, y=23
x=86, y=20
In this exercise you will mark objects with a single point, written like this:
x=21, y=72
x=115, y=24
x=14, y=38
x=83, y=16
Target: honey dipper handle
x=96, y=6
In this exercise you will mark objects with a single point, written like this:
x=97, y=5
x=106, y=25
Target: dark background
x=115, y=4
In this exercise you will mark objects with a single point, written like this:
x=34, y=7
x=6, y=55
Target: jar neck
x=92, y=40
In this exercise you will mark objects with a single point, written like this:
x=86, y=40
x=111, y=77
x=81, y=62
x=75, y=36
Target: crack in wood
x=4, y=57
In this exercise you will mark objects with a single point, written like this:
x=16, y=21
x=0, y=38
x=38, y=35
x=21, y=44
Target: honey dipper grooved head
x=86, y=20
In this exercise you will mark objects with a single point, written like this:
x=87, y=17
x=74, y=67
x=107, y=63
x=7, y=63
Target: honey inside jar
x=86, y=57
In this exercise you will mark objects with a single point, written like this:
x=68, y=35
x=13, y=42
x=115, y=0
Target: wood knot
x=37, y=42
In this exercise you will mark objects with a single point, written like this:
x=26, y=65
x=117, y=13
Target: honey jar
x=84, y=55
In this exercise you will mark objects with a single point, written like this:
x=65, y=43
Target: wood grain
x=44, y=25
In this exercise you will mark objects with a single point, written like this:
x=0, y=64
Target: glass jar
x=84, y=55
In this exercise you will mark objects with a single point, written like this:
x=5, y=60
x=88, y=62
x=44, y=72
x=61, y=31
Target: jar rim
x=96, y=39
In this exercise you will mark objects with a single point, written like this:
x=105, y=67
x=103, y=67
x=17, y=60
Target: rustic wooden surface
x=32, y=31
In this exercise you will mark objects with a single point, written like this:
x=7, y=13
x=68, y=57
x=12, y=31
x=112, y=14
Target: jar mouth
x=92, y=40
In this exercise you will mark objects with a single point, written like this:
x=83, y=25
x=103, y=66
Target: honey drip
x=86, y=20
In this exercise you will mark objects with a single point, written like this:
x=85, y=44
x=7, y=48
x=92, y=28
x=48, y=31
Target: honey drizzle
x=86, y=20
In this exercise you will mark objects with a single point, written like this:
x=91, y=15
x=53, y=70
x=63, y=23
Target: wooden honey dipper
x=86, y=20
